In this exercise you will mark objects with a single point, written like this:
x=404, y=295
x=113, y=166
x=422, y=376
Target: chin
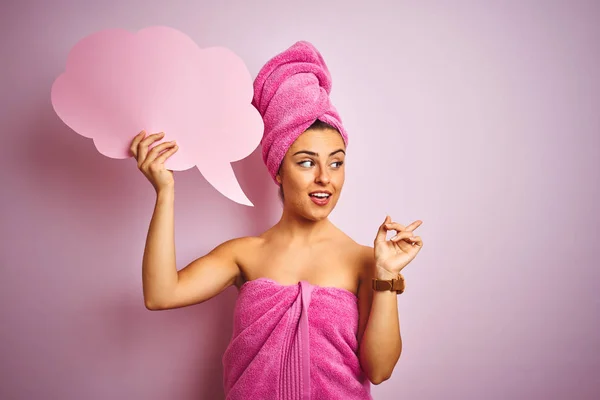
x=319, y=213
x=319, y=216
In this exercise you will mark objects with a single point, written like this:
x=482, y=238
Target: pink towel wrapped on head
x=291, y=92
x=294, y=342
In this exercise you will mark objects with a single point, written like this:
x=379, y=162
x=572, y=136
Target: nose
x=323, y=176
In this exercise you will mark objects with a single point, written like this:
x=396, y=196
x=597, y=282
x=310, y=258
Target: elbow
x=153, y=305
x=156, y=300
x=383, y=374
x=377, y=379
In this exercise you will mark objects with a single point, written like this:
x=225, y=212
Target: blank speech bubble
x=117, y=83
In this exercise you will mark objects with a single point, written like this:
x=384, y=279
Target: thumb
x=382, y=231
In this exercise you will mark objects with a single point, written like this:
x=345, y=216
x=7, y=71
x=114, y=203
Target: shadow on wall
x=109, y=203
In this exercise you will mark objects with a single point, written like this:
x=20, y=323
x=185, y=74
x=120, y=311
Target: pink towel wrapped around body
x=294, y=342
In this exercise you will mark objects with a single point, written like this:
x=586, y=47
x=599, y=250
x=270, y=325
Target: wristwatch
x=394, y=285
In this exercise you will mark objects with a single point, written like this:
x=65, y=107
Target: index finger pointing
x=414, y=225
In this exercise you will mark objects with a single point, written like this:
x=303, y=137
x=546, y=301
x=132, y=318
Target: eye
x=305, y=163
x=339, y=164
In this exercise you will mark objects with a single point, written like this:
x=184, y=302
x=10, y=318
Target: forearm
x=159, y=270
x=381, y=343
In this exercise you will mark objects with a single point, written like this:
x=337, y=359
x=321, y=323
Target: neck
x=296, y=229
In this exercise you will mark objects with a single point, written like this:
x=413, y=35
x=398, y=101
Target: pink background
x=481, y=120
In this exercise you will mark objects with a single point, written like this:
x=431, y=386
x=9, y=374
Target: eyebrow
x=312, y=153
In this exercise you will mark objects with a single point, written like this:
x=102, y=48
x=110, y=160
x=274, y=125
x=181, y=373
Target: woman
x=316, y=316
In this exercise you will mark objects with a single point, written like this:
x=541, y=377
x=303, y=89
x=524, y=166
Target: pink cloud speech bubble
x=117, y=83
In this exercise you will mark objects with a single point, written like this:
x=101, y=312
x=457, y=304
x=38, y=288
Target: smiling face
x=312, y=173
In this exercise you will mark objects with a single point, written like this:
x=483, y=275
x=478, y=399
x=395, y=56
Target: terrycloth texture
x=291, y=92
x=294, y=342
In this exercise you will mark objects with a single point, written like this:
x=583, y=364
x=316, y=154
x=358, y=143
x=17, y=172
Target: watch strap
x=394, y=285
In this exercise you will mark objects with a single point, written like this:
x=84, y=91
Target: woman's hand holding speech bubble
x=152, y=161
x=118, y=83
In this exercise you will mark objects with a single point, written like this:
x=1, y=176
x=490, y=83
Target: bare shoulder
x=363, y=257
x=240, y=246
x=367, y=262
x=244, y=251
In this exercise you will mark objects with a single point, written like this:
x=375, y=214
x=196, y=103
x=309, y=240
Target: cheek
x=339, y=178
x=298, y=181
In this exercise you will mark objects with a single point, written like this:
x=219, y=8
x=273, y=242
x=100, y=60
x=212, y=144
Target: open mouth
x=320, y=198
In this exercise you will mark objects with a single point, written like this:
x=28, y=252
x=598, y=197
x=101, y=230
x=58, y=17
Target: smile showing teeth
x=320, y=195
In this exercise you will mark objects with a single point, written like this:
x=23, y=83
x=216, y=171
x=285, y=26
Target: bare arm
x=380, y=342
x=159, y=270
x=164, y=287
x=202, y=279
